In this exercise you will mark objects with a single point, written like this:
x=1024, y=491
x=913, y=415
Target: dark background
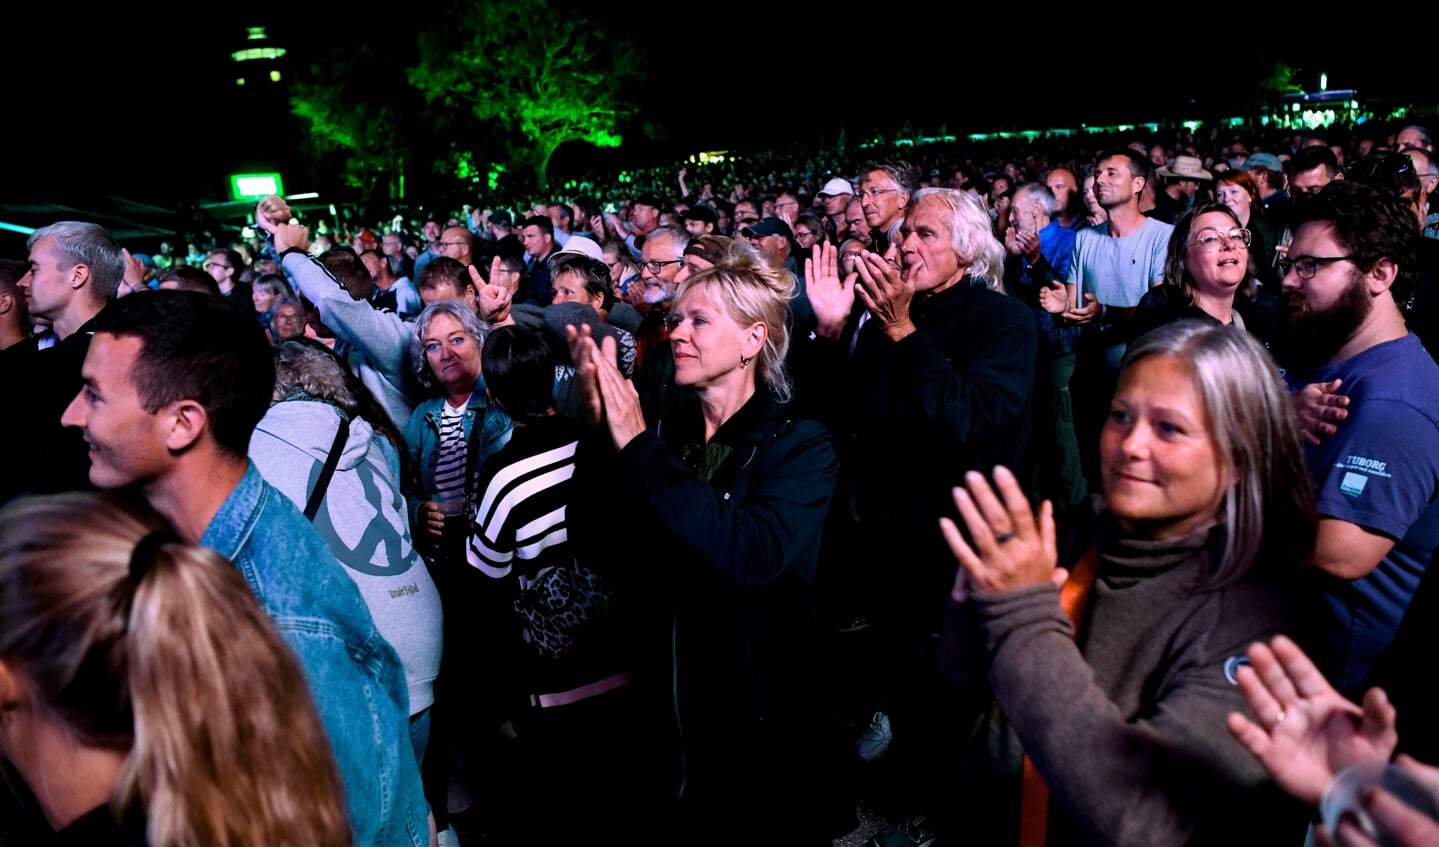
x=137, y=101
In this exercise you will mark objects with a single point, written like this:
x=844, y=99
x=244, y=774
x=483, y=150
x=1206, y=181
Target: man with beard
x=1350, y=266
x=660, y=261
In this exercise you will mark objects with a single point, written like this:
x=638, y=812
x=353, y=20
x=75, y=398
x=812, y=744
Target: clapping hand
x=1303, y=731
x=606, y=396
x=1054, y=298
x=1090, y=313
x=885, y=295
x=1008, y=547
x=831, y=296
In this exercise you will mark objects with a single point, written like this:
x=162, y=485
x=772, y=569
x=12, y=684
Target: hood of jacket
x=310, y=426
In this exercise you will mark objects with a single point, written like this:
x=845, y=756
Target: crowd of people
x=1084, y=497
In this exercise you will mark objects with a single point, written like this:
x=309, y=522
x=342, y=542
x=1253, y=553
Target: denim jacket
x=422, y=439
x=354, y=674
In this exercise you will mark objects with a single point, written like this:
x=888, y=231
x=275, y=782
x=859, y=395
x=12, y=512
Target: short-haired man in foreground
x=174, y=384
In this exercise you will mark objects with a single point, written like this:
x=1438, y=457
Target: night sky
x=123, y=101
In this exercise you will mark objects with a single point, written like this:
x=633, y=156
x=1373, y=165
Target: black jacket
x=729, y=538
x=913, y=416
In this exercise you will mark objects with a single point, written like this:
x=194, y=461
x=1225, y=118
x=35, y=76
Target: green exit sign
x=255, y=186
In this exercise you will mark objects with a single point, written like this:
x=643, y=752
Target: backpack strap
x=342, y=435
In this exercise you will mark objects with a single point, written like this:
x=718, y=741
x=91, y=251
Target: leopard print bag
x=559, y=605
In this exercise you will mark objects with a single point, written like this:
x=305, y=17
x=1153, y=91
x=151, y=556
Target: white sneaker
x=874, y=741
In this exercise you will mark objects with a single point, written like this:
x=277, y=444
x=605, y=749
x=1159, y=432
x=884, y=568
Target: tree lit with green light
x=544, y=79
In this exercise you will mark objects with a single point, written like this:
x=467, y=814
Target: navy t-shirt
x=1381, y=472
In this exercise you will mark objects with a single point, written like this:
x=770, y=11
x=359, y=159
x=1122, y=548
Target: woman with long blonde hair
x=145, y=696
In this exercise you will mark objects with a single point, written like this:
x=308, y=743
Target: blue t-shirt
x=1381, y=472
x=1117, y=271
x=1056, y=245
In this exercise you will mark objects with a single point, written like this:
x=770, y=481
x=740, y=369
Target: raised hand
x=271, y=212
x=583, y=354
x=1303, y=731
x=134, y=269
x=288, y=235
x=831, y=296
x=1028, y=245
x=885, y=295
x=1010, y=548
x=623, y=413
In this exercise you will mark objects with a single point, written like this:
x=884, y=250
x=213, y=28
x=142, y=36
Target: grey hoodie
x=364, y=520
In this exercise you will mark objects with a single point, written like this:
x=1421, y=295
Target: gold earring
x=745, y=360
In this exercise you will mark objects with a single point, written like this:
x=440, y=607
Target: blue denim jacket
x=422, y=439
x=354, y=674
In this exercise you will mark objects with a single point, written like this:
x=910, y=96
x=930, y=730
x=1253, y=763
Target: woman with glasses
x=287, y=319
x=1208, y=276
x=808, y=231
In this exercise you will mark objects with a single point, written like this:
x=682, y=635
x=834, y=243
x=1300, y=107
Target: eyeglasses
x=443, y=244
x=868, y=193
x=209, y=265
x=748, y=221
x=782, y=205
x=1305, y=267
x=1211, y=240
x=654, y=266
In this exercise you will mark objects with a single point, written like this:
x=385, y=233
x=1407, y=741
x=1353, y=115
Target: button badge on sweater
x=1232, y=666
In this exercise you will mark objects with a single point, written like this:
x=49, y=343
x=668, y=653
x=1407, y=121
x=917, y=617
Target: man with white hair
x=938, y=384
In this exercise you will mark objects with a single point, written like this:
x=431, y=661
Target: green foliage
x=355, y=106
x=541, y=77
x=1280, y=80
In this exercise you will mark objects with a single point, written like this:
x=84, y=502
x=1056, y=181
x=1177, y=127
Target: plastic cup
x=1344, y=796
x=451, y=508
